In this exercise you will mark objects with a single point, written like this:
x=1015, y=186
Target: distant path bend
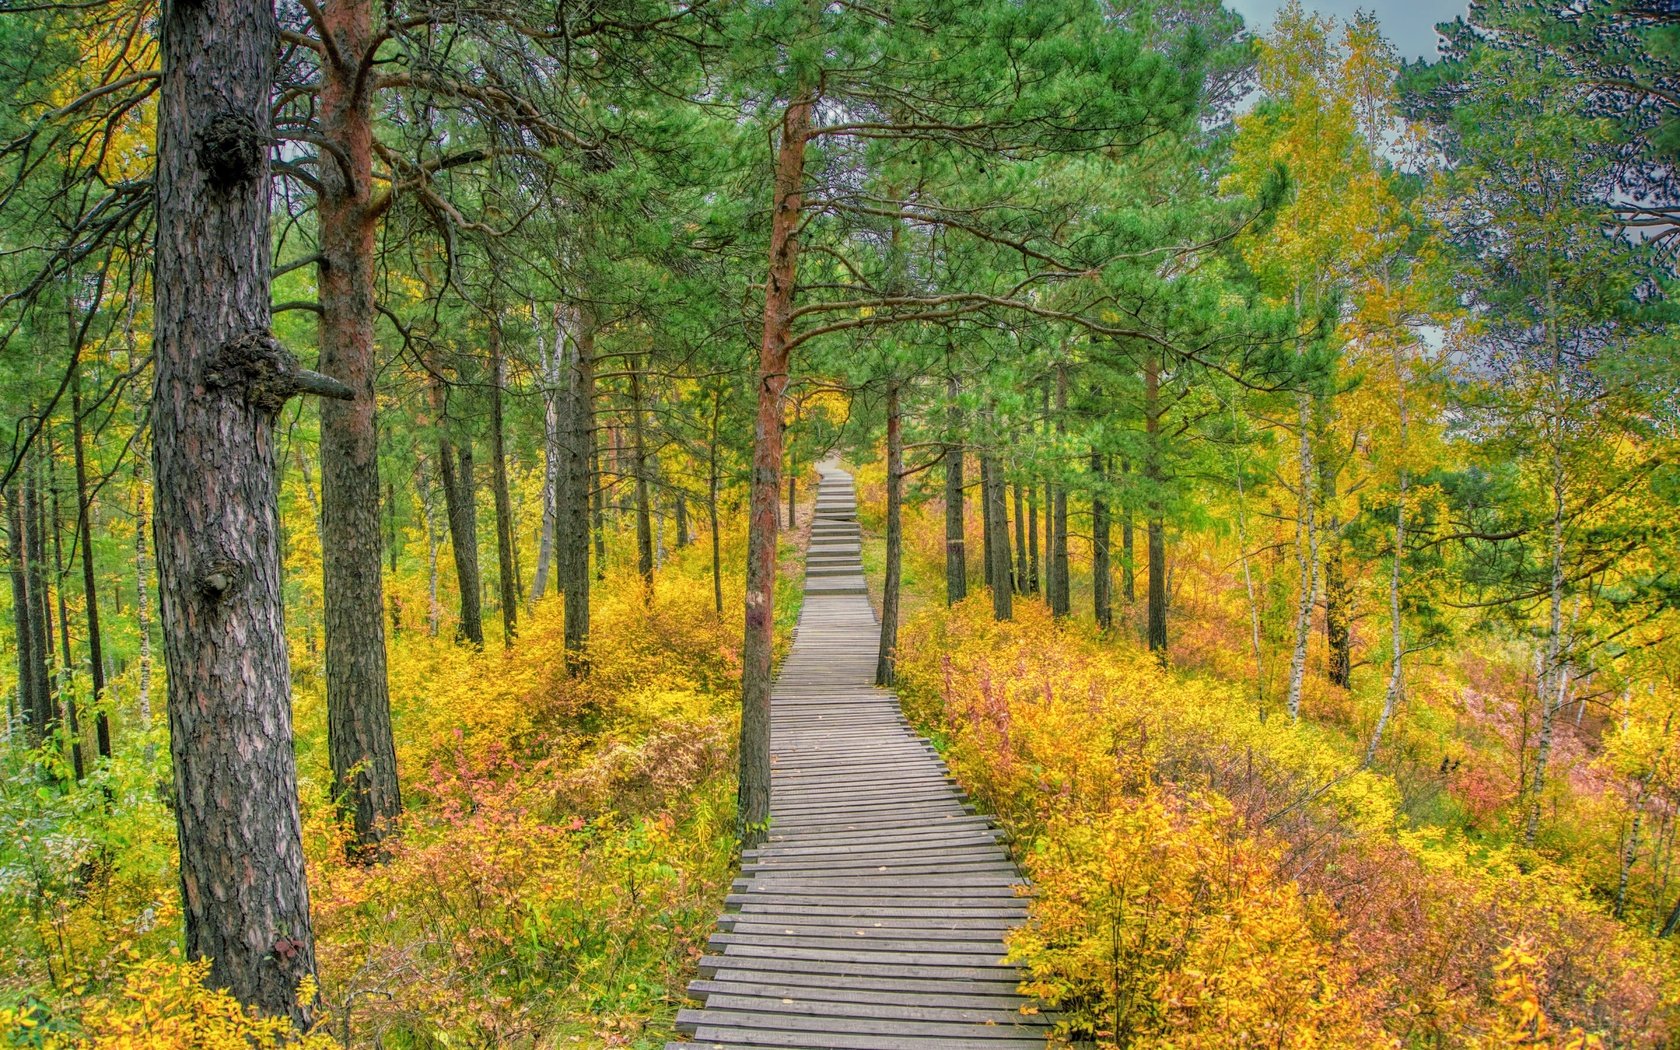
x=873, y=918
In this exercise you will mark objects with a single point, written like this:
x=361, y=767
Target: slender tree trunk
x=1630, y=850
x=1128, y=559
x=712, y=482
x=67, y=664
x=885, y=670
x=753, y=802
x=1337, y=598
x=548, y=364
x=31, y=669
x=682, y=519
x=1060, y=599
x=245, y=900
x=40, y=611
x=793, y=485
x=90, y=593
x=142, y=602
x=987, y=524
x=996, y=510
x=1020, y=542
x=639, y=466
x=434, y=546
x=1154, y=467
x=1555, y=669
x=359, y=743
x=507, y=573
x=455, y=464
x=1033, y=582
x=1396, y=623
x=956, y=562
x=1306, y=558
x=1102, y=605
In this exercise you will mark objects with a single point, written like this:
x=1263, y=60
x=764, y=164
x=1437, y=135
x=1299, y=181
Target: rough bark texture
x=578, y=486
x=90, y=592
x=507, y=572
x=753, y=800
x=997, y=526
x=986, y=522
x=363, y=757
x=1059, y=591
x=1020, y=540
x=1338, y=597
x=548, y=365
x=884, y=670
x=456, y=465
x=1154, y=469
x=639, y=468
x=245, y=900
x=956, y=562
x=1033, y=581
x=1102, y=605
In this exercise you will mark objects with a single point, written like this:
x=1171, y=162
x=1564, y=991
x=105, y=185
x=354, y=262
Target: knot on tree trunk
x=261, y=369
x=230, y=150
x=219, y=578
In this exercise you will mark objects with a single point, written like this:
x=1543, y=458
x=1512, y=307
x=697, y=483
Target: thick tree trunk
x=579, y=487
x=885, y=673
x=1155, y=630
x=956, y=562
x=1060, y=599
x=507, y=573
x=1102, y=605
x=548, y=366
x=753, y=801
x=359, y=743
x=245, y=900
x=90, y=592
x=639, y=467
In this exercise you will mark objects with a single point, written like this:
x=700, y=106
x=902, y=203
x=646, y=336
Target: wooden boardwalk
x=873, y=917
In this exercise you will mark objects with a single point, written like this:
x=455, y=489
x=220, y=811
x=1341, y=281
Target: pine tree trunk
x=23, y=605
x=67, y=664
x=548, y=364
x=40, y=611
x=712, y=483
x=359, y=743
x=1033, y=582
x=1555, y=669
x=1102, y=605
x=986, y=522
x=1060, y=599
x=459, y=498
x=142, y=602
x=682, y=519
x=1020, y=541
x=579, y=469
x=90, y=593
x=245, y=900
x=596, y=485
x=434, y=544
x=956, y=563
x=753, y=801
x=507, y=573
x=639, y=467
x=1128, y=559
x=885, y=673
x=1338, y=637
x=792, y=493
x=1155, y=630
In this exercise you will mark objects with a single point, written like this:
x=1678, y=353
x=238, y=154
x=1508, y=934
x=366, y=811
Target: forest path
x=873, y=917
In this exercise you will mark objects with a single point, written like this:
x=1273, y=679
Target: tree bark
x=434, y=543
x=548, y=366
x=1155, y=631
x=992, y=501
x=885, y=671
x=245, y=899
x=1060, y=599
x=578, y=486
x=986, y=523
x=1033, y=581
x=1102, y=606
x=459, y=496
x=753, y=802
x=67, y=664
x=712, y=482
x=956, y=563
x=1306, y=557
x=142, y=603
x=359, y=743
x=40, y=610
x=32, y=671
x=1020, y=540
x=507, y=573
x=1128, y=560
x=792, y=493
x=90, y=592
x=639, y=467
x=1338, y=637
x=1396, y=623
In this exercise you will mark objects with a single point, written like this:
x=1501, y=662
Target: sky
x=1408, y=24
